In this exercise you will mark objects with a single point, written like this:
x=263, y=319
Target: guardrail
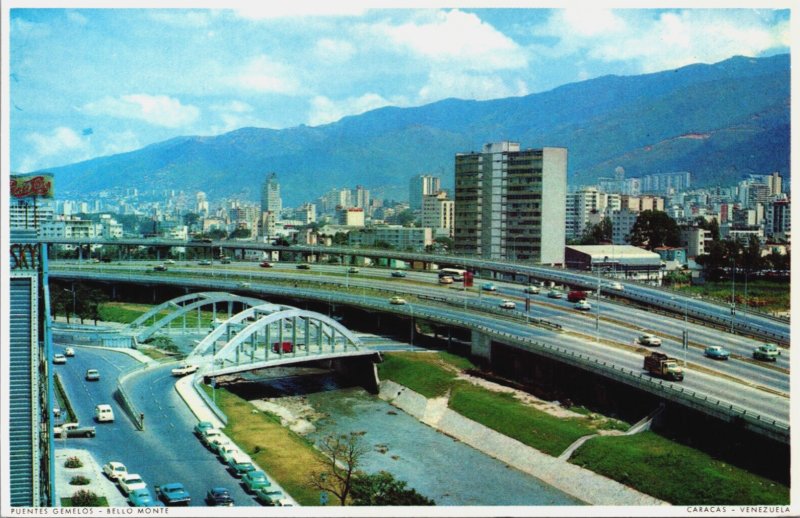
x=125, y=401
x=71, y=415
x=207, y=400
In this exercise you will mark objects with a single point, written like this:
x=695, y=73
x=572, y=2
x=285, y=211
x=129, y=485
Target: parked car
x=218, y=442
x=207, y=435
x=173, y=494
x=240, y=464
x=398, y=274
x=184, y=369
x=73, y=430
x=160, y=268
x=92, y=375
x=531, y=289
x=717, y=352
x=352, y=269
x=555, y=294
x=265, y=264
x=201, y=427
x=226, y=450
x=766, y=352
x=255, y=480
x=205, y=262
x=488, y=287
x=129, y=482
x=397, y=300
x=508, y=304
x=583, y=305
x=104, y=413
x=445, y=279
x=141, y=498
x=59, y=359
x=113, y=470
x=69, y=351
x=267, y=497
x=219, y=496
x=650, y=339
x=303, y=266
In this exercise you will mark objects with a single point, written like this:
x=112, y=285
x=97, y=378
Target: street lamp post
x=733, y=293
x=411, y=308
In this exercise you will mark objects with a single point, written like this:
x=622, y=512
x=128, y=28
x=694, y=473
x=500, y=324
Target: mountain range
x=721, y=122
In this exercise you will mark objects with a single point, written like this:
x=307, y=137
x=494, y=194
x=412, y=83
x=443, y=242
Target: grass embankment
x=434, y=375
x=126, y=313
x=287, y=457
x=763, y=295
x=675, y=473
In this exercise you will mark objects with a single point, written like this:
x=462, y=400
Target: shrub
x=85, y=498
x=79, y=480
x=73, y=462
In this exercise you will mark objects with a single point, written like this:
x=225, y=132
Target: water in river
x=437, y=466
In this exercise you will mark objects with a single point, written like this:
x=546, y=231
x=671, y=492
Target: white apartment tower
x=437, y=213
x=422, y=185
x=510, y=204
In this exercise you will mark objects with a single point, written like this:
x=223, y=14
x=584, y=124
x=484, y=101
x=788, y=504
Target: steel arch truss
x=182, y=306
x=262, y=337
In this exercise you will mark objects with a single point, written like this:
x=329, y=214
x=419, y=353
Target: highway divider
x=72, y=417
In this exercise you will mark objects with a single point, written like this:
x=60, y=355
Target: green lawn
x=761, y=294
x=126, y=313
x=676, y=473
x=423, y=373
x=285, y=456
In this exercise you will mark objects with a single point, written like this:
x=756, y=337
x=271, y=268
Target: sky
x=86, y=82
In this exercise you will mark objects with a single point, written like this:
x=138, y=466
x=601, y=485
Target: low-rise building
x=396, y=236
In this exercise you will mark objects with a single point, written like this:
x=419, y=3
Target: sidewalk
x=99, y=484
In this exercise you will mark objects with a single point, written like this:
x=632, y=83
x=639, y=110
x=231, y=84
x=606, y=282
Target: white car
x=183, y=370
x=226, y=450
x=169, y=261
x=103, y=413
x=508, y=304
x=69, y=351
x=615, y=286
x=583, y=305
x=531, y=289
x=398, y=301
x=650, y=339
x=446, y=280
x=59, y=359
x=114, y=470
x=209, y=435
x=130, y=482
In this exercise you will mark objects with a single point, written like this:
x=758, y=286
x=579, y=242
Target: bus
x=455, y=273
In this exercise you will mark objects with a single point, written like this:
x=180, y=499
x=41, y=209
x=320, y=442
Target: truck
x=285, y=347
x=661, y=365
x=74, y=430
x=766, y=352
x=576, y=295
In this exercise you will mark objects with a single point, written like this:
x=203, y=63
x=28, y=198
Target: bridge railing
x=196, y=382
x=125, y=401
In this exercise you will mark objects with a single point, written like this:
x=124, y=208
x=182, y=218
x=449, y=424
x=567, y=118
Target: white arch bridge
x=261, y=336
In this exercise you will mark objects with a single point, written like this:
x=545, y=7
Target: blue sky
x=85, y=83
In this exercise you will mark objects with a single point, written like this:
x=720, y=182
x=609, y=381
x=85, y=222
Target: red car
x=575, y=296
x=265, y=264
x=285, y=347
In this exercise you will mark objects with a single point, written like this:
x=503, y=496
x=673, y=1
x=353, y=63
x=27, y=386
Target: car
x=268, y=497
x=92, y=375
x=205, y=262
x=531, y=289
x=265, y=264
x=488, y=287
x=766, y=352
x=173, y=494
x=717, y=352
x=73, y=430
x=583, y=305
x=129, y=482
x=219, y=496
x=446, y=279
x=69, y=351
x=398, y=274
x=352, y=269
x=240, y=464
x=282, y=347
x=59, y=359
x=169, y=261
x=303, y=266
x=160, y=268
x=615, y=286
x=554, y=294
x=94, y=260
x=113, y=470
x=208, y=435
x=576, y=295
x=508, y=304
x=184, y=369
x=202, y=426
x=255, y=480
x=217, y=443
x=226, y=450
x=141, y=497
x=650, y=339
x=244, y=285
x=225, y=260
x=397, y=301
x=104, y=413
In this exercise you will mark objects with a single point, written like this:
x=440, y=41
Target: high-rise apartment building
x=201, y=204
x=579, y=206
x=422, y=185
x=361, y=197
x=437, y=213
x=271, y=195
x=510, y=204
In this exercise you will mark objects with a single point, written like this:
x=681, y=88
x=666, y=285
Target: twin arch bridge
x=260, y=336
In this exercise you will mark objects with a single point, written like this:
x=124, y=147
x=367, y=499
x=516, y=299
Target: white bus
x=455, y=273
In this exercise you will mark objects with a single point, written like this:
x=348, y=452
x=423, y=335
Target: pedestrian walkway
x=92, y=470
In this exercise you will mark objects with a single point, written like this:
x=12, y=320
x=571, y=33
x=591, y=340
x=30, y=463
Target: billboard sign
x=31, y=185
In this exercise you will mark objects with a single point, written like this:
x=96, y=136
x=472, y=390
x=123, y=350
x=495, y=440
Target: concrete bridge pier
x=481, y=345
x=363, y=369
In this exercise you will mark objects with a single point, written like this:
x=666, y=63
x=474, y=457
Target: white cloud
x=159, y=110
x=457, y=39
x=265, y=75
x=324, y=110
x=658, y=40
x=442, y=85
x=234, y=115
x=61, y=142
x=297, y=8
x=328, y=49
x=115, y=143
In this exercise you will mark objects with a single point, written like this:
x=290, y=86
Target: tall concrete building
x=437, y=214
x=580, y=206
x=422, y=185
x=510, y=204
x=271, y=195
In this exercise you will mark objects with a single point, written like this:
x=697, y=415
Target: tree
x=240, y=233
x=406, y=218
x=342, y=455
x=654, y=228
x=599, y=233
x=751, y=259
x=712, y=226
x=383, y=489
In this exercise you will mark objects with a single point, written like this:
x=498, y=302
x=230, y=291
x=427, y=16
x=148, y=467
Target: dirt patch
x=294, y=412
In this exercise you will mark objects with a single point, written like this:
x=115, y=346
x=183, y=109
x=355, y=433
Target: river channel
x=437, y=466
